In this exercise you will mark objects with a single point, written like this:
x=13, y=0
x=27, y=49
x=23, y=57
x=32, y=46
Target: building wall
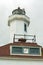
x=20, y=62
x=17, y=27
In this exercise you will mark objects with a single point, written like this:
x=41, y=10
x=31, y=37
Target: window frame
x=25, y=27
x=17, y=50
x=27, y=54
x=33, y=51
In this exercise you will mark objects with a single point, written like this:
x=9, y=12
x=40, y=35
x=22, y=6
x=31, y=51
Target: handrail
x=17, y=37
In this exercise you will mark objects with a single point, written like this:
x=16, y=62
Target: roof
x=5, y=50
x=18, y=11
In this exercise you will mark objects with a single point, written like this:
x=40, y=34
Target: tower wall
x=17, y=27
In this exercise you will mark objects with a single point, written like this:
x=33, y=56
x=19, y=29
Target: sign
x=25, y=50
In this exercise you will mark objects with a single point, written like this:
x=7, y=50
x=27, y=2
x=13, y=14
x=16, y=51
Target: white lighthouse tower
x=18, y=23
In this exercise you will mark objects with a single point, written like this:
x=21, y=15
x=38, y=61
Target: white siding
x=20, y=62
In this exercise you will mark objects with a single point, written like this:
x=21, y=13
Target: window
x=24, y=50
x=34, y=51
x=17, y=50
x=25, y=27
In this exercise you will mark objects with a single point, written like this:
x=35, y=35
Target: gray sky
x=34, y=10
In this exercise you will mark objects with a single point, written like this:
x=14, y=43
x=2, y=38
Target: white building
x=22, y=49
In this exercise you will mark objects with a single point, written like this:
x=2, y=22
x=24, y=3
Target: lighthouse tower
x=18, y=23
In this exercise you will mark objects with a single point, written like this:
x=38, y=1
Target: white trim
x=25, y=53
x=18, y=17
x=40, y=52
x=23, y=59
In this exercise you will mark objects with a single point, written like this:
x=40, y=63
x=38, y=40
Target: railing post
x=34, y=38
x=24, y=36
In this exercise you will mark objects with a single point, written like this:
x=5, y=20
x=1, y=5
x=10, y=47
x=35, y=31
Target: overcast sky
x=34, y=10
